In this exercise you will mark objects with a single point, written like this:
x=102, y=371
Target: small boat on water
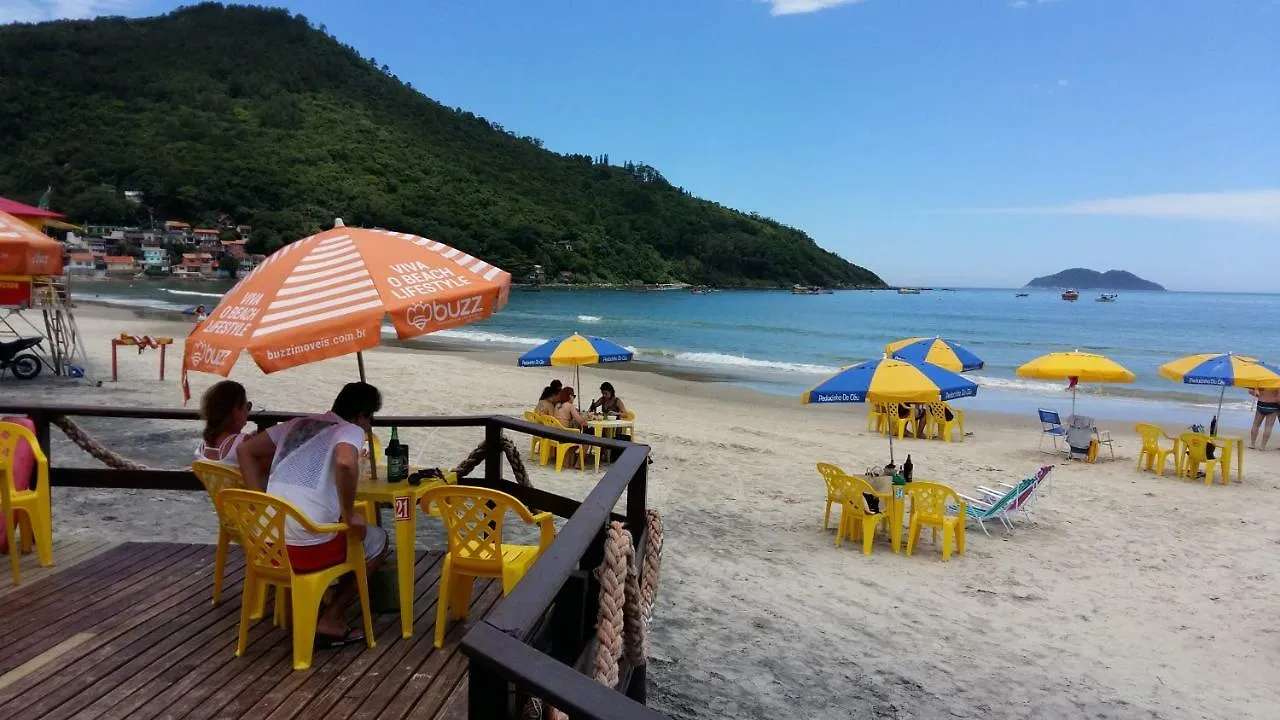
x=908, y=291
x=1071, y=296
x=1107, y=297
x=1022, y=295
x=805, y=290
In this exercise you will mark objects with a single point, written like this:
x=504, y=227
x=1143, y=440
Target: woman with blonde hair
x=225, y=409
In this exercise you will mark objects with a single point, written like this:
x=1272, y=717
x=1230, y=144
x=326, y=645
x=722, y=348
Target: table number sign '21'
x=403, y=509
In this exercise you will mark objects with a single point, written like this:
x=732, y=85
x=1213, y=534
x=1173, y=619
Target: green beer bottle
x=396, y=467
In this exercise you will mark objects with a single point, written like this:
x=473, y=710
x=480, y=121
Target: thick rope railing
x=94, y=447
x=509, y=449
x=626, y=607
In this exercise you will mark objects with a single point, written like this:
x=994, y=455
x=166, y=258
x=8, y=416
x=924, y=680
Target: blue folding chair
x=1051, y=425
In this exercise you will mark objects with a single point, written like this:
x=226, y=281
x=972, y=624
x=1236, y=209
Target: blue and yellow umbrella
x=889, y=380
x=1223, y=370
x=575, y=350
x=935, y=350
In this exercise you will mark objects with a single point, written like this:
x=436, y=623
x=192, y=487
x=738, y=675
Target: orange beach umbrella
x=327, y=295
x=25, y=252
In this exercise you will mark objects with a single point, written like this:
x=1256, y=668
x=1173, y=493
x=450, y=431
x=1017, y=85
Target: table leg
x=406, y=554
x=895, y=522
x=162, y=347
x=114, y=376
x=1240, y=460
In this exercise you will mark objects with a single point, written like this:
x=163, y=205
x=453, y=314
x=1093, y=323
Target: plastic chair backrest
x=931, y=500
x=939, y=411
x=1197, y=446
x=1150, y=435
x=1049, y=419
x=217, y=477
x=831, y=475
x=259, y=519
x=12, y=435
x=473, y=519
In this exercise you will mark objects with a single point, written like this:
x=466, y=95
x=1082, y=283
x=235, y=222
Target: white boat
x=908, y=291
x=1107, y=297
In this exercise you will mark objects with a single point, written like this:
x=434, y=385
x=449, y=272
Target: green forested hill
x=257, y=114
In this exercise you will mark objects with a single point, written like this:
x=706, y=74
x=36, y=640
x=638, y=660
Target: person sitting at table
x=547, y=401
x=566, y=412
x=225, y=408
x=313, y=462
x=609, y=403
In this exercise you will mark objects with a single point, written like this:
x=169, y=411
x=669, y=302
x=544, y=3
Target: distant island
x=1086, y=279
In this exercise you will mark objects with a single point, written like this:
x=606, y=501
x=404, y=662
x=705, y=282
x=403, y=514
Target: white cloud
x=41, y=10
x=1062, y=82
x=799, y=7
x=1024, y=4
x=1244, y=206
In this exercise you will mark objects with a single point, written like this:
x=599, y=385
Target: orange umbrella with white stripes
x=327, y=295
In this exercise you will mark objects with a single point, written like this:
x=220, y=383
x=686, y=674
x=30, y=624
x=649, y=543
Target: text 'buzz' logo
x=202, y=353
x=441, y=314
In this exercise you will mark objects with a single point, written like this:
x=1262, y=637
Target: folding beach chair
x=1051, y=426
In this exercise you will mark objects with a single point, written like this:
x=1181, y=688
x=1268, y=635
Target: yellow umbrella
x=1077, y=367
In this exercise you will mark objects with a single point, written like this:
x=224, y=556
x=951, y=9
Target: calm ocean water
x=782, y=343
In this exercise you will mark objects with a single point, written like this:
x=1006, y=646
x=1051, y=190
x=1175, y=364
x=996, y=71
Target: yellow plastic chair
x=877, y=418
x=217, y=477
x=631, y=416
x=929, y=508
x=832, y=476
x=940, y=425
x=535, y=442
x=260, y=519
x=1152, y=456
x=34, y=505
x=562, y=449
x=1196, y=449
x=473, y=519
x=898, y=425
x=855, y=520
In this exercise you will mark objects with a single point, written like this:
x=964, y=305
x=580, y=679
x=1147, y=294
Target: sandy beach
x=1129, y=596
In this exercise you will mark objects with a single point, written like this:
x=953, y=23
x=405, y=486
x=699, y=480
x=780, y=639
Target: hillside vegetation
x=259, y=115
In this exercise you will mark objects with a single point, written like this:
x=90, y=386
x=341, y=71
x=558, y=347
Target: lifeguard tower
x=30, y=271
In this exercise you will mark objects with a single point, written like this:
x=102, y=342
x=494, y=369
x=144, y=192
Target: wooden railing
x=538, y=638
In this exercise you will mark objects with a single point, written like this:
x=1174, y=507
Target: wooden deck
x=129, y=632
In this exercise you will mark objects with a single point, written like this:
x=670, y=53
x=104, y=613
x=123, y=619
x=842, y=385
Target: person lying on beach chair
x=313, y=462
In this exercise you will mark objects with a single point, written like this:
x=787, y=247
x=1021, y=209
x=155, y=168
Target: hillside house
x=121, y=264
x=155, y=257
x=234, y=248
x=80, y=263
x=201, y=263
x=205, y=235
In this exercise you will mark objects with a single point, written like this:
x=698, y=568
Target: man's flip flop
x=331, y=642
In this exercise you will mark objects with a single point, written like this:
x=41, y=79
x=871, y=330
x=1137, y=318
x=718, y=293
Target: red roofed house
x=204, y=235
x=234, y=248
x=81, y=263
x=31, y=215
x=121, y=264
x=197, y=263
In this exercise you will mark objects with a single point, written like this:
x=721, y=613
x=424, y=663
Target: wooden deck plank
x=66, y=554
x=38, y=594
x=129, y=632
x=348, y=664
x=394, y=693
x=109, y=608
x=129, y=654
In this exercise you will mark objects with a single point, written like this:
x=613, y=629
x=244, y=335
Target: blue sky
x=965, y=142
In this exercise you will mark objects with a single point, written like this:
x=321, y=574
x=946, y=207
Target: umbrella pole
x=1221, y=395
x=373, y=445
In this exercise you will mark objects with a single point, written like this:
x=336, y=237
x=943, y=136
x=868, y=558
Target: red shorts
x=310, y=558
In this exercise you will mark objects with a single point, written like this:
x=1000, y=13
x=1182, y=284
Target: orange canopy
x=327, y=295
x=24, y=251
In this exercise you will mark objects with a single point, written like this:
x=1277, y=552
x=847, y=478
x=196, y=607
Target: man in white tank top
x=314, y=464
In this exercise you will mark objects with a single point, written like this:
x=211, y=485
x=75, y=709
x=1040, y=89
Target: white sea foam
x=195, y=293
x=746, y=363
x=589, y=319
x=476, y=336
x=133, y=302
x=1021, y=385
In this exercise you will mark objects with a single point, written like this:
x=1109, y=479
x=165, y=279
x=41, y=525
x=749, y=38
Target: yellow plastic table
x=1228, y=443
x=609, y=428
x=403, y=498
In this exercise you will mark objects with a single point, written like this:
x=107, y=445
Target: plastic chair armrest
x=546, y=529
x=983, y=506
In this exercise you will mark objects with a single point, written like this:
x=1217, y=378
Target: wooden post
x=492, y=452
x=637, y=494
x=114, y=344
x=163, y=347
x=487, y=693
